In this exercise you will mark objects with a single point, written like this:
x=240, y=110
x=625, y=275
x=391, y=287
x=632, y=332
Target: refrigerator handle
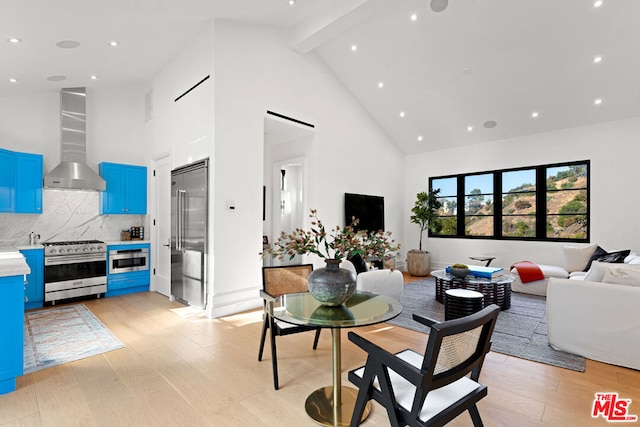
x=178, y=220
x=183, y=208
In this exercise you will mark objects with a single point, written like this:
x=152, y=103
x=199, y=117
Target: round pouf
x=332, y=285
x=461, y=302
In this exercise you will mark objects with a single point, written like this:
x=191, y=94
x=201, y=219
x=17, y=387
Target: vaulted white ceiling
x=445, y=76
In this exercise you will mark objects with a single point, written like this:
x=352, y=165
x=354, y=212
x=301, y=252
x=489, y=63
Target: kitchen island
x=13, y=269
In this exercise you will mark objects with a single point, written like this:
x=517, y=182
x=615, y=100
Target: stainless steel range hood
x=73, y=172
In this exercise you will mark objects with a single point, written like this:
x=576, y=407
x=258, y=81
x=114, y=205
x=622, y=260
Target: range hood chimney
x=73, y=172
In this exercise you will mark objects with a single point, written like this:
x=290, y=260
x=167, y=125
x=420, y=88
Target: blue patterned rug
x=520, y=331
x=63, y=334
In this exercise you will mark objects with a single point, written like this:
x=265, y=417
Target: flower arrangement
x=338, y=244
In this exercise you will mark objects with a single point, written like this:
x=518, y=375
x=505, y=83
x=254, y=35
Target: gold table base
x=320, y=407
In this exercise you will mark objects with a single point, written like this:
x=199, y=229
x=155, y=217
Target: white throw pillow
x=622, y=276
x=632, y=259
x=576, y=258
x=598, y=270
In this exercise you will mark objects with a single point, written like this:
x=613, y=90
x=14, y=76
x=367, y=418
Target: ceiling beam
x=313, y=32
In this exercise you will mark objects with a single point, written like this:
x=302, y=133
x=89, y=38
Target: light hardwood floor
x=178, y=370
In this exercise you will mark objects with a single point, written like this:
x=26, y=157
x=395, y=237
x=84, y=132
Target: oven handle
x=73, y=259
x=126, y=251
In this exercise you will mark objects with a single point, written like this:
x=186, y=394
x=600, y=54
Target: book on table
x=481, y=271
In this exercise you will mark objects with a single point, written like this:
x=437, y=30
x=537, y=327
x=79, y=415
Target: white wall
x=255, y=72
x=184, y=128
x=613, y=150
x=31, y=123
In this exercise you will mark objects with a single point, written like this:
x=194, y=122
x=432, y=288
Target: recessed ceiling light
x=420, y=138
x=597, y=3
x=469, y=128
x=490, y=124
x=68, y=44
x=597, y=101
x=14, y=40
x=402, y=114
x=597, y=59
x=380, y=85
x=354, y=47
x=113, y=43
x=57, y=78
x=12, y=80
x=93, y=77
x=414, y=16
x=535, y=114
x=292, y=2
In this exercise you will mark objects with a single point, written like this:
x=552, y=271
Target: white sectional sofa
x=575, y=261
x=597, y=319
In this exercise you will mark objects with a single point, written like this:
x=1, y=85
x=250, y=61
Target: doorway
x=161, y=250
x=285, y=147
x=288, y=201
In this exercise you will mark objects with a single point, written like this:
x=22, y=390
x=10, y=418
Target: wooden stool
x=461, y=302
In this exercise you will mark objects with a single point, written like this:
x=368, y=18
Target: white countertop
x=27, y=247
x=12, y=262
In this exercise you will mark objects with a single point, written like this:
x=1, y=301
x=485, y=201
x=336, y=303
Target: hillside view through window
x=548, y=202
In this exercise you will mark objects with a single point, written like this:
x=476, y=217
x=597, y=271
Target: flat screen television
x=369, y=209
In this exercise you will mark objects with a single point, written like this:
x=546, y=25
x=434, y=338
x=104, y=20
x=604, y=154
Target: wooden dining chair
x=430, y=389
x=278, y=281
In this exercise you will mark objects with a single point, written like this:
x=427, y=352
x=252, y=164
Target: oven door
x=63, y=269
x=127, y=260
x=74, y=276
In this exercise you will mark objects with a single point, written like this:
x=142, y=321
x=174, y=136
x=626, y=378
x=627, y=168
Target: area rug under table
x=520, y=331
x=64, y=334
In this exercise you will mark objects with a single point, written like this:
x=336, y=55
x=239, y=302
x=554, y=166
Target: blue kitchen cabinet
x=29, y=174
x=34, y=285
x=129, y=282
x=126, y=191
x=11, y=332
x=7, y=181
x=20, y=182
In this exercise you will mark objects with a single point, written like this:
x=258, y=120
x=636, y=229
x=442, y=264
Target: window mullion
x=541, y=202
x=497, y=205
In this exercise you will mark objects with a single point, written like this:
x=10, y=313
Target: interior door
x=162, y=247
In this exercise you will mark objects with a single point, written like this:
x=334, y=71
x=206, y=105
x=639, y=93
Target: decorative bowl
x=459, y=272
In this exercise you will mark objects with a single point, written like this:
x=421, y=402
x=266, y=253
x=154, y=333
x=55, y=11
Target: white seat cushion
x=437, y=400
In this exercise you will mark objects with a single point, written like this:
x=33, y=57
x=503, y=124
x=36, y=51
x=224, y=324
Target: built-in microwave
x=127, y=260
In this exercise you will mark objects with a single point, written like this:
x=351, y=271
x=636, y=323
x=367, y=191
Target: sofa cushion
x=622, y=276
x=599, y=269
x=576, y=258
x=578, y=275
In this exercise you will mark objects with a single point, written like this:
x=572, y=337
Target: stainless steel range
x=74, y=269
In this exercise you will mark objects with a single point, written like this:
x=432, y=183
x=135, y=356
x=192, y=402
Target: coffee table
x=496, y=290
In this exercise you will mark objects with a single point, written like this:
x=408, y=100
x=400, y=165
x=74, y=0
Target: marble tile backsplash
x=66, y=215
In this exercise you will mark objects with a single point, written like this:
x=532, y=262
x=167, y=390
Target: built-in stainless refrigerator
x=189, y=233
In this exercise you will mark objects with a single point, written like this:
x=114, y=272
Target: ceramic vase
x=332, y=285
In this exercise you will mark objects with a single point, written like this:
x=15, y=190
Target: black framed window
x=545, y=202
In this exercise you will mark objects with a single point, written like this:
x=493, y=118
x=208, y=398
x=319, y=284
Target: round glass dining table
x=333, y=405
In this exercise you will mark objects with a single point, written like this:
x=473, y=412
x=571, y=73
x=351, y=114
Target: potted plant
x=332, y=285
x=425, y=210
